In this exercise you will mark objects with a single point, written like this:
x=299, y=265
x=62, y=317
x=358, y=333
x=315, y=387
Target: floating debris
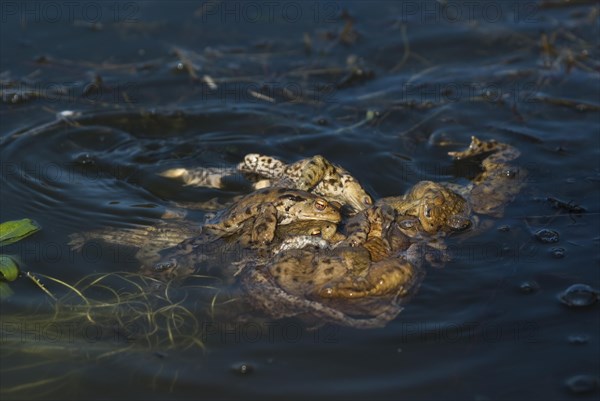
x=210, y=82
x=189, y=61
x=572, y=104
x=547, y=236
x=67, y=114
x=568, y=206
x=261, y=96
x=579, y=295
x=356, y=76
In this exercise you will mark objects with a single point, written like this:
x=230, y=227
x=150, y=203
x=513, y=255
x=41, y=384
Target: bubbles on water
x=529, y=287
x=582, y=384
x=579, y=295
x=578, y=339
x=242, y=368
x=558, y=252
x=547, y=236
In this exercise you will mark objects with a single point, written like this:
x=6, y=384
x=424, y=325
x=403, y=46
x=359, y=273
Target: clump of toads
x=310, y=242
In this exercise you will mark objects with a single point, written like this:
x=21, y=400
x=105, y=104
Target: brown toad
x=228, y=255
x=341, y=285
x=268, y=208
x=315, y=174
x=441, y=208
x=499, y=181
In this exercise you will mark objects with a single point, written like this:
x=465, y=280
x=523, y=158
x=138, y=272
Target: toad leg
x=265, y=223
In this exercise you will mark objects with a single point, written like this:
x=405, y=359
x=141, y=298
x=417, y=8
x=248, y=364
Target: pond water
x=100, y=97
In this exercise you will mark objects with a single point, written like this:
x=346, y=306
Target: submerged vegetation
x=101, y=315
x=134, y=308
x=138, y=308
x=104, y=316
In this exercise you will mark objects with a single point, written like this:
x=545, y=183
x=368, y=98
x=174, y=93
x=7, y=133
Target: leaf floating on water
x=5, y=290
x=15, y=230
x=9, y=269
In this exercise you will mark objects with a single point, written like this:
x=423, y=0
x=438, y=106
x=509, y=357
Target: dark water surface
x=99, y=97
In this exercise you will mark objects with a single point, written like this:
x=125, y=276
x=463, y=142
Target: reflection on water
x=384, y=89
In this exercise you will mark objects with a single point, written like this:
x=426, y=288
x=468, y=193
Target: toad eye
x=427, y=212
x=164, y=266
x=320, y=204
x=367, y=200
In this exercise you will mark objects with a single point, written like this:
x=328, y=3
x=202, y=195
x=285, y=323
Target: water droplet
x=582, y=384
x=529, y=287
x=579, y=295
x=557, y=252
x=547, y=236
x=578, y=339
x=242, y=368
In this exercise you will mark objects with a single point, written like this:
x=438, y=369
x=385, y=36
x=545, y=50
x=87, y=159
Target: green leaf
x=9, y=270
x=15, y=230
x=5, y=290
